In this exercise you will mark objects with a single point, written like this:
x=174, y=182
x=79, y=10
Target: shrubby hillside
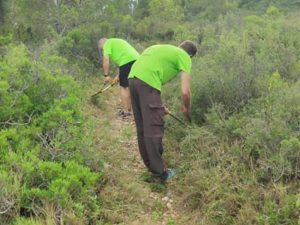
x=238, y=163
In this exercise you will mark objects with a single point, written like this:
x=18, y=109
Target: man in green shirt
x=156, y=66
x=124, y=55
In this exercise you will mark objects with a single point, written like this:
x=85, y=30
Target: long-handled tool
x=179, y=120
x=107, y=87
x=102, y=90
x=168, y=112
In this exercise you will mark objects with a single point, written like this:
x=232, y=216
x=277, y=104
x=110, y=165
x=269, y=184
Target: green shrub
x=267, y=129
x=279, y=212
x=236, y=64
x=81, y=45
x=42, y=139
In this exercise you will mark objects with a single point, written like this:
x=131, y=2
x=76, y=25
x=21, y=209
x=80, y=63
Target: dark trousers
x=148, y=114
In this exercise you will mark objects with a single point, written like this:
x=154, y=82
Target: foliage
x=35, y=20
x=239, y=162
x=42, y=141
x=246, y=99
x=80, y=45
x=161, y=22
x=267, y=130
x=240, y=61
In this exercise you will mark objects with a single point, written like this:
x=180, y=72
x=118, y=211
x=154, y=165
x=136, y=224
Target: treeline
x=33, y=20
x=244, y=145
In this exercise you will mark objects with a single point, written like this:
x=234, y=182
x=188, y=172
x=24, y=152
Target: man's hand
x=115, y=80
x=167, y=111
x=106, y=79
x=187, y=113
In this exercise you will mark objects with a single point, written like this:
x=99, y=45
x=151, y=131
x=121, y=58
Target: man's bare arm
x=186, y=94
x=105, y=64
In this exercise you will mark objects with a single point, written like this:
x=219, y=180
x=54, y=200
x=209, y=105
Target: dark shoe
x=126, y=116
x=121, y=113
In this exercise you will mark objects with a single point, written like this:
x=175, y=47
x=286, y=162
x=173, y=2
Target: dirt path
x=126, y=198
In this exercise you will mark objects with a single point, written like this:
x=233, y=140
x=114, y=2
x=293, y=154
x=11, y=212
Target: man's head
x=101, y=43
x=189, y=47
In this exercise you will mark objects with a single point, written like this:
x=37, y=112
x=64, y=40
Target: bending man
x=124, y=55
x=156, y=66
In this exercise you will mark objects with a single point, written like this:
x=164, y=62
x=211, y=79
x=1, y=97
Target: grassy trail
x=126, y=198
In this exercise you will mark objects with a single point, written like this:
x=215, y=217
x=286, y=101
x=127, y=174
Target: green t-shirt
x=120, y=51
x=159, y=64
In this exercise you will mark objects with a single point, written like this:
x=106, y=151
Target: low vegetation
x=238, y=163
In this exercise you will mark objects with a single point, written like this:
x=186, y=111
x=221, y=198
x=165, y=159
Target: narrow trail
x=126, y=198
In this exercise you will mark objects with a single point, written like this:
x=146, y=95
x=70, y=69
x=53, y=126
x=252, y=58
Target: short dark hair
x=190, y=47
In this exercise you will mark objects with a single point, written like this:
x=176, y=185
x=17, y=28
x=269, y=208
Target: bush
x=267, y=129
x=236, y=63
x=42, y=139
x=81, y=45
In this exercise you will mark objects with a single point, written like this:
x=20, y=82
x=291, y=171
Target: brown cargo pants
x=148, y=112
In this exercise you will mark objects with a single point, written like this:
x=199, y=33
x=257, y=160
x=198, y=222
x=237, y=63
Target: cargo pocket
x=157, y=114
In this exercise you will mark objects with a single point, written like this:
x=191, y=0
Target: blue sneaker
x=170, y=174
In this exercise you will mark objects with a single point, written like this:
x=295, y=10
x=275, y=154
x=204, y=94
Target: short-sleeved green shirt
x=120, y=51
x=159, y=64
